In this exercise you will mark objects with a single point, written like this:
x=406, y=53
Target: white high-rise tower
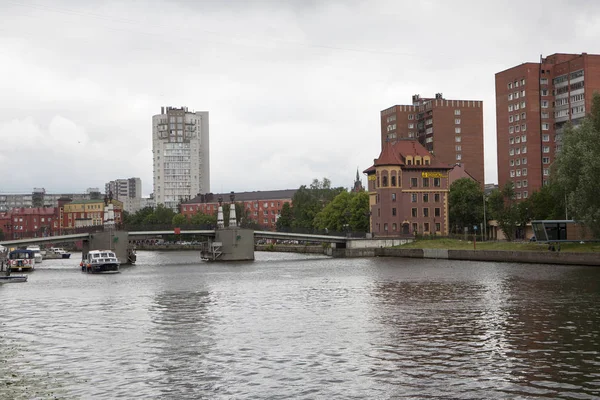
x=181, y=157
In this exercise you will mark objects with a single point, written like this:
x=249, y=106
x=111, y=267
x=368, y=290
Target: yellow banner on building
x=433, y=175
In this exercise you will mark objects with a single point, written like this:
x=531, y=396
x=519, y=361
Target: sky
x=294, y=88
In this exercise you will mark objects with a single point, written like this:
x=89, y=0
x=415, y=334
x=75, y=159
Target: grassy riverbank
x=456, y=244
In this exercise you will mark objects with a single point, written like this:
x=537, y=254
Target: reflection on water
x=296, y=326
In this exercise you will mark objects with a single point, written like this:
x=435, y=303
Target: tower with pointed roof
x=358, y=186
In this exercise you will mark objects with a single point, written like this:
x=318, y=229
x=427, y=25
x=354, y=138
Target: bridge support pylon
x=117, y=241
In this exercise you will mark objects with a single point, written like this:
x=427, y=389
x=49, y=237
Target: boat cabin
x=21, y=260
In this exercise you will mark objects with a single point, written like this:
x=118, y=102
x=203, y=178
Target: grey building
x=128, y=191
x=180, y=152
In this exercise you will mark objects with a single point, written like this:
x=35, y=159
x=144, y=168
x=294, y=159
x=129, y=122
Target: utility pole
x=484, y=219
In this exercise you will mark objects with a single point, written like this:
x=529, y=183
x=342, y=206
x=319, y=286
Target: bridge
x=119, y=240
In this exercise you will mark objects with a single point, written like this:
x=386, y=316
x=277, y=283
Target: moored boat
x=37, y=251
x=54, y=253
x=100, y=262
x=13, y=279
x=21, y=260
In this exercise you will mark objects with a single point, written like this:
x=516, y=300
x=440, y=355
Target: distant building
x=358, y=187
x=408, y=191
x=534, y=101
x=128, y=191
x=29, y=222
x=181, y=157
x=87, y=213
x=38, y=198
x=452, y=130
x=263, y=207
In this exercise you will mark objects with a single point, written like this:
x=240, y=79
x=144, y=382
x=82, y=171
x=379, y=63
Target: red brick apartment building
x=452, y=130
x=534, y=101
x=408, y=191
x=264, y=207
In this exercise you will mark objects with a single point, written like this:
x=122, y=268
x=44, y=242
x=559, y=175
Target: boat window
x=104, y=254
x=96, y=255
x=111, y=254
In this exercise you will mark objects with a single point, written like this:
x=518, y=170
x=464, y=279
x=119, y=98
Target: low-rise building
x=263, y=207
x=408, y=191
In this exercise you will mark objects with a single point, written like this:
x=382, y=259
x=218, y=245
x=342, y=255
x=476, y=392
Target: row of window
x=518, y=162
x=517, y=139
x=516, y=95
x=518, y=172
x=415, y=227
x=414, y=182
x=517, y=128
x=517, y=150
x=516, y=106
x=516, y=83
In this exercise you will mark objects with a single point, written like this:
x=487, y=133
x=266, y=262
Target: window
x=438, y=227
x=510, y=108
x=457, y=130
x=436, y=182
x=410, y=116
x=394, y=227
x=517, y=162
x=546, y=172
x=511, y=152
x=393, y=181
x=456, y=112
x=546, y=160
x=510, y=85
x=511, y=129
x=413, y=212
x=384, y=180
x=426, y=212
x=525, y=194
x=523, y=115
x=544, y=81
x=436, y=197
x=394, y=211
x=522, y=82
x=393, y=196
x=413, y=182
x=512, y=163
x=510, y=96
x=425, y=197
x=525, y=172
x=425, y=182
x=524, y=182
x=437, y=212
x=511, y=140
x=413, y=197
x=545, y=115
x=511, y=118
x=458, y=147
x=524, y=161
x=512, y=173
x=415, y=227
x=518, y=184
x=545, y=126
x=546, y=149
x=517, y=117
x=457, y=139
x=523, y=127
x=523, y=138
x=545, y=137
x=544, y=92
x=457, y=121
x=516, y=95
x=544, y=105
x=459, y=157
x=517, y=128
x=517, y=139
x=426, y=227
x=385, y=227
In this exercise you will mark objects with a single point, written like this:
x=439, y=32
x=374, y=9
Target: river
x=290, y=326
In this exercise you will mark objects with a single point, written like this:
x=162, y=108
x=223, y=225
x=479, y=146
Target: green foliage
x=284, y=222
x=465, y=204
x=203, y=220
x=346, y=212
x=240, y=212
x=503, y=209
x=577, y=169
x=178, y=220
x=2, y=234
x=309, y=201
x=548, y=202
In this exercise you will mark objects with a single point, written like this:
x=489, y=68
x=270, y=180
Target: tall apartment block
x=127, y=191
x=451, y=130
x=534, y=101
x=180, y=148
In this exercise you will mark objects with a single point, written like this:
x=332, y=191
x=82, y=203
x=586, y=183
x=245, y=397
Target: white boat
x=21, y=260
x=57, y=252
x=37, y=252
x=100, y=262
x=13, y=279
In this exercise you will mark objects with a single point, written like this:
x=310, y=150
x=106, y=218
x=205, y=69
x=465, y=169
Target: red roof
x=394, y=153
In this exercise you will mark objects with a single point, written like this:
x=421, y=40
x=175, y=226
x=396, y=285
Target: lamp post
x=484, y=219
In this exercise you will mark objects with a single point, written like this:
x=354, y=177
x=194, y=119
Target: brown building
x=534, y=101
x=263, y=207
x=408, y=191
x=452, y=130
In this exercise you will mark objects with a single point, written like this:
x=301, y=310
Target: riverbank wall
x=535, y=257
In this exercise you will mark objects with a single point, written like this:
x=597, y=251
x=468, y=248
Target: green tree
x=504, y=210
x=284, y=222
x=465, y=204
x=309, y=201
x=346, y=212
x=178, y=220
x=577, y=169
x=204, y=220
x=1, y=234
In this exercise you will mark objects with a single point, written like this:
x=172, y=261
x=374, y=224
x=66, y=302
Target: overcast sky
x=294, y=88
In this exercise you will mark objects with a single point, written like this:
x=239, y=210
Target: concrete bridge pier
x=117, y=241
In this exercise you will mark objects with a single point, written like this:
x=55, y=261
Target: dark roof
x=243, y=196
x=394, y=153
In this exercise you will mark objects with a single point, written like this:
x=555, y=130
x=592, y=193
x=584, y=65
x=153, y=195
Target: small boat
x=13, y=279
x=37, y=251
x=100, y=262
x=21, y=260
x=54, y=253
